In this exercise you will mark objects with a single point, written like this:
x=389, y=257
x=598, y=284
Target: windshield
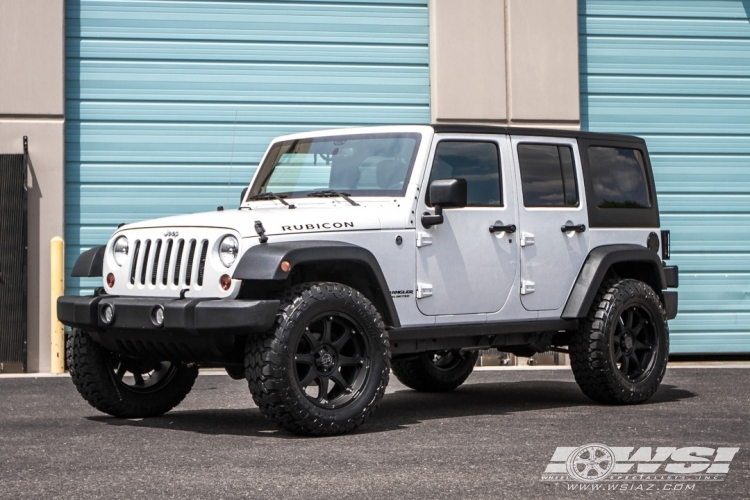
x=362, y=165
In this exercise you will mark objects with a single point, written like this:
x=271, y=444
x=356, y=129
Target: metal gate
x=677, y=73
x=13, y=262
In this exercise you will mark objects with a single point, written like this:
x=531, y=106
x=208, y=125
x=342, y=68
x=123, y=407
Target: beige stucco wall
x=32, y=103
x=509, y=62
x=467, y=60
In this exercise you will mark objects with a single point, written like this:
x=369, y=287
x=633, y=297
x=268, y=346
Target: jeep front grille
x=168, y=262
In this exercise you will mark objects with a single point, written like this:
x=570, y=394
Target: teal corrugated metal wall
x=162, y=96
x=678, y=74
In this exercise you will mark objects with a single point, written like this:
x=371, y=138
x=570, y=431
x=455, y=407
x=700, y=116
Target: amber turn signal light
x=110, y=280
x=225, y=281
x=285, y=266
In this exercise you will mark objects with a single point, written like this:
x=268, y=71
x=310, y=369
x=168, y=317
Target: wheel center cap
x=627, y=342
x=326, y=359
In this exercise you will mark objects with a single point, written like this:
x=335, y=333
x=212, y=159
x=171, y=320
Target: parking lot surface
x=491, y=438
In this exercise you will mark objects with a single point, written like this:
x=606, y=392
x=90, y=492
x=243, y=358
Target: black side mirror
x=242, y=196
x=444, y=193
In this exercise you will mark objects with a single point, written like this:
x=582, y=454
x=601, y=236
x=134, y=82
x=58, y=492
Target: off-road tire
x=594, y=351
x=91, y=368
x=271, y=369
x=421, y=373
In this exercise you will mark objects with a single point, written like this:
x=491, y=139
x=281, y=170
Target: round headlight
x=120, y=250
x=228, y=249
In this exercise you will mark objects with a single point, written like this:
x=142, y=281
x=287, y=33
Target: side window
x=548, y=177
x=478, y=163
x=619, y=178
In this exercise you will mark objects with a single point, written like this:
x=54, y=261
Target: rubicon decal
x=597, y=462
x=318, y=225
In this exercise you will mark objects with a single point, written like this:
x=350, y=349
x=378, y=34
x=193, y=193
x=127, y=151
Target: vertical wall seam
x=508, y=100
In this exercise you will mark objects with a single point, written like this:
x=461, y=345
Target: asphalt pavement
x=491, y=438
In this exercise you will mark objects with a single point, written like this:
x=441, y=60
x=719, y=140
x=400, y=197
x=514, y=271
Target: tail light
x=665, y=245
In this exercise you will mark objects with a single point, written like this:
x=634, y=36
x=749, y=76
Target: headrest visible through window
x=390, y=174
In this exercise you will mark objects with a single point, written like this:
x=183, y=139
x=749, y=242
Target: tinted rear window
x=547, y=175
x=618, y=176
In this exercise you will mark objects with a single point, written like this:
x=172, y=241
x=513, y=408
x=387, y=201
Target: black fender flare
x=598, y=262
x=263, y=263
x=90, y=264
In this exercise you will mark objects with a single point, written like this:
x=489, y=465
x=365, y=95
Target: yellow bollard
x=57, y=289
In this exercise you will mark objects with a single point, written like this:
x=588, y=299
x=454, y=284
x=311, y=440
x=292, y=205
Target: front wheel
x=123, y=386
x=620, y=354
x=325, y=366
x=435, y=371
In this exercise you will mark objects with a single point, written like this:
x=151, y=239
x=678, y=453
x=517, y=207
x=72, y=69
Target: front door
x=553, y=222
x=462, y=266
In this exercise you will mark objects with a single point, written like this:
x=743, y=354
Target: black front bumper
x=194, y=330
x=194, y=317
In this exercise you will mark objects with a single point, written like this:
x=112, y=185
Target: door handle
x=578, y=228
x=498, y=227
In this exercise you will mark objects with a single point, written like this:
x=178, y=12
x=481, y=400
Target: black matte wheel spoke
x=322, y=388
x=138, y=378
x=641, y=346
x=308, y=378
x=618, y=352
x=307, y=359
x=311, y=340
x=121, y=371
x=339, y=380
x=325, y=338
x=344, y=339
x=349, y=360
x=619, y=329
x=638, y=326
x=629, y=319
x=636, y=363
x=625, y=365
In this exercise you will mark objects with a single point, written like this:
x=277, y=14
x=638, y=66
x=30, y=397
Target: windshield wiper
x=271, y=196
x=332, y=193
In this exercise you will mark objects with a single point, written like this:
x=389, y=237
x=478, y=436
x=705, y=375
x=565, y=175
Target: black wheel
x=123, y=386
x=325, y=366
x=435, y=371
x=620, y=354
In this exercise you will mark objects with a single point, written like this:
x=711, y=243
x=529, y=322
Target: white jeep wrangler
x=406, y=248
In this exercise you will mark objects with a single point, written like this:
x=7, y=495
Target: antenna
x=231, y=159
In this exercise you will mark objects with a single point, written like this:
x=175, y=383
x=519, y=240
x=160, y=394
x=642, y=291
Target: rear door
x=553, y=222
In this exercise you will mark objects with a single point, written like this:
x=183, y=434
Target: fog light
x=110, y=280
x=157, y=316
x=285, y=266
x=108, y=314
x=225, y=281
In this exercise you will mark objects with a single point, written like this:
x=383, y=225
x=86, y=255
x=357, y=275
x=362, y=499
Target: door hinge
x=424, y=290
x=527, y=239
x=423, y=239
x=527, y=287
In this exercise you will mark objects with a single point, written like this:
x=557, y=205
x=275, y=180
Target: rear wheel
x=325, y=366
x=123, y=386
x=620, y=354
x=435, y=371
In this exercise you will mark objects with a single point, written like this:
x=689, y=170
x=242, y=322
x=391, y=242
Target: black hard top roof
x=458, y=128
